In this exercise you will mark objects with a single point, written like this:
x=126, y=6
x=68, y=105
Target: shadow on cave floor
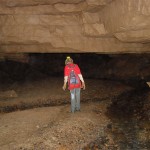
x=130, y=117
x=130, y=122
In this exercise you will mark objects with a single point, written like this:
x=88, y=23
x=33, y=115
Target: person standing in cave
x=73, y=76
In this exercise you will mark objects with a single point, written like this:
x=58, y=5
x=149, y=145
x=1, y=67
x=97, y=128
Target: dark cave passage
x=17, y=77
x=130, y=68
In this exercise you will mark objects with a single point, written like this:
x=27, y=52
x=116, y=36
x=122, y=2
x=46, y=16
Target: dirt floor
x=48, y=92
x=54, y=127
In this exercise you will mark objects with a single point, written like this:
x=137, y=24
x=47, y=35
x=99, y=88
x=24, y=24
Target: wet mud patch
x=49, y=103
x=131, y=104
x=25, y=106
x=43, y=103
x=130, y=119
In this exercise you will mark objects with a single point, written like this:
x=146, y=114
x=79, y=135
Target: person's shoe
x=72, y=111
x=78, y=110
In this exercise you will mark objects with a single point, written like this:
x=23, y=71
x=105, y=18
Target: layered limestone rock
x=102, y=26
x=130, y=22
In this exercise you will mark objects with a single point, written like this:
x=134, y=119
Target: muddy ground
x=36, y=116
x=48, y=92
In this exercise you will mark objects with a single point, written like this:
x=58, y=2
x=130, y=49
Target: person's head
x=68, y=60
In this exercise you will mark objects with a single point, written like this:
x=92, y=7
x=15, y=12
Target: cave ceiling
x=55, y=26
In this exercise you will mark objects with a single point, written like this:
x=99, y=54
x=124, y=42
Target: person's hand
x=83, y=85
x=64, y=87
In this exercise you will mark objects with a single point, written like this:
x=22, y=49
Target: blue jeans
x=75, y=99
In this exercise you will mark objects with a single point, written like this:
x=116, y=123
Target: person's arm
x=65, y=82
x=65, y=78
x=82, y=80
x=80, y=76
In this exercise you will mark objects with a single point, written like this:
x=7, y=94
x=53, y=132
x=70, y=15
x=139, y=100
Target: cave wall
x=103, y=26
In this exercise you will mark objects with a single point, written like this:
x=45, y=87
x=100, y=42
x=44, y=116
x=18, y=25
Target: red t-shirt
x=67, y=73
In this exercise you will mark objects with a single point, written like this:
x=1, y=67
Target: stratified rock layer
x=102, y=26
